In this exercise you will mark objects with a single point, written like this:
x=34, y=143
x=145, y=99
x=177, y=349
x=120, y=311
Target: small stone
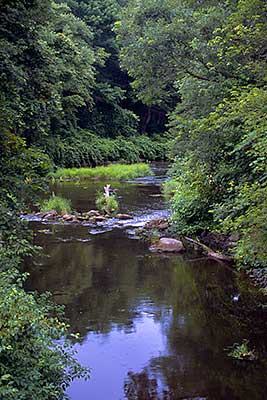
x=81, y=218
x=40, y=214
x=124, y=216
x=100, y=218
x=67, y=217
x=50, y=214
x=93, y=213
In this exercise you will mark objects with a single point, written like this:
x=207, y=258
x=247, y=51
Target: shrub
x=107, y=205
x=190, y=194
x=84, y=149
x=245, y=214
x=36, y=359
x=57, y=203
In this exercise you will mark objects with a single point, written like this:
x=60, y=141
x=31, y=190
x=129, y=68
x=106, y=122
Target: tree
x=206, y=63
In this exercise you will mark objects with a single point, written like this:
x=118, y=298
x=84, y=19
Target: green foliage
x=107, y=205
x=112, y=171
x=35, y=359
x=242, y=351
x=189, y=194
x=32, y=364
x=87, y=149
x=22, y=169
x=245, y=214
x=57, y=203
x=206, y=63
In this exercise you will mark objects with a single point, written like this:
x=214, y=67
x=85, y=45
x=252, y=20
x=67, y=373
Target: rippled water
x=151, y=326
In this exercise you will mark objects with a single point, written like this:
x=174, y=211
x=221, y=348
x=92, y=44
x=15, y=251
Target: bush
x=190, y=195
x=107, y=205
x=57, y=203
x=84, y=149
x=36, y=359
x=245, y=214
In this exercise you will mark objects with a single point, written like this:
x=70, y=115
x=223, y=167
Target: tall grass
x=112, y=171
x=57, y=203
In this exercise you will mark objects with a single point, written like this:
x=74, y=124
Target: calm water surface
x=151, y=326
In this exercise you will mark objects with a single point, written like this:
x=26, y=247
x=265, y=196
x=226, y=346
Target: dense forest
x=86, y=82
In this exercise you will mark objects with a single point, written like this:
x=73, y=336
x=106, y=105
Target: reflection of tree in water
x=139, y=386
x=169, y=378
x=108, y=285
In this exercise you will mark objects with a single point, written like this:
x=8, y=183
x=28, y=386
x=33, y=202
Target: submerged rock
x=167, y=245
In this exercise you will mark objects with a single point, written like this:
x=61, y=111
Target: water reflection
x=152, y=327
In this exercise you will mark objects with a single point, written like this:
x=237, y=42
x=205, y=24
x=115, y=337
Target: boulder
x=124, y=216
x=167, y=245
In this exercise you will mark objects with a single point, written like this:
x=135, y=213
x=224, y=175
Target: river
x=151, y=326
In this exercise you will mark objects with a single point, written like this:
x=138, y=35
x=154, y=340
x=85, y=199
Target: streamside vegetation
x=113, y=171
x=86, y=149
x=205, y=63
x=36, y=362
x=58, y=203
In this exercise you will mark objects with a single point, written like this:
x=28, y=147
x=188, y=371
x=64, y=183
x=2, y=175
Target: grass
x=118, y=172
x=57, y=203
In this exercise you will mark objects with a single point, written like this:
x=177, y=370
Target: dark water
x=151, y=326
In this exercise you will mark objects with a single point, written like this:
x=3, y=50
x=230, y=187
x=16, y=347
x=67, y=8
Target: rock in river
x=124, y=216
x=93, y=213
x=52, y=214
x=167, y=245
x=100, y=218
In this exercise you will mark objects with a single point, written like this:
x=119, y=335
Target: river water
x=152, y=327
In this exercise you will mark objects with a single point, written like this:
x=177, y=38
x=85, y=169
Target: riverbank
x=210, y=245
